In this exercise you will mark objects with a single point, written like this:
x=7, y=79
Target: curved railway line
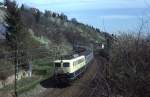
x=91, y=84
x=98, y=86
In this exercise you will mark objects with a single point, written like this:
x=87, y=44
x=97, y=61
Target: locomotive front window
x=57, y=65
x=65, y=64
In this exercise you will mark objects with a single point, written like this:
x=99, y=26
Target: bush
x=130, y=67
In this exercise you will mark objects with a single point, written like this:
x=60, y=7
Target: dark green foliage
x=37, y=16
x=98, y=30
x=54, y=15
x=15, y=26
x=63, y=16
x=17, y=36
x=74, y=20
x=47, y=13
x=22, y=7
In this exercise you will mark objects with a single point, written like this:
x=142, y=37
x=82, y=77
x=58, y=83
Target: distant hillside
x=54, y=29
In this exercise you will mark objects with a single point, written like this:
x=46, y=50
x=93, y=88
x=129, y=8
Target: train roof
x=72, y=56
x=69, y=59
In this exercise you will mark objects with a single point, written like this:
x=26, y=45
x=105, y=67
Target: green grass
x=42, y=67
x=42, y=62
x=27, y=84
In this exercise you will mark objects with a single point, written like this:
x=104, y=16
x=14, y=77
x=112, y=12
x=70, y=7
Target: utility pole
x=16, y=72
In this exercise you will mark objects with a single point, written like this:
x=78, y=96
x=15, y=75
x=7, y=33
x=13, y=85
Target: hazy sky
x=108, y=15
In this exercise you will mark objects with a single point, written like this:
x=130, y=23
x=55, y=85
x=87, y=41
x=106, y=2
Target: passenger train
x=72, y=67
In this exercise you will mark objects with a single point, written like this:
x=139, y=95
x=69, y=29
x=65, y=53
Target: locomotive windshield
x=57, y=65
x=65, y=64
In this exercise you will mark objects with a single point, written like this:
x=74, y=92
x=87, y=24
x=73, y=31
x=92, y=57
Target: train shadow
x=52, y=83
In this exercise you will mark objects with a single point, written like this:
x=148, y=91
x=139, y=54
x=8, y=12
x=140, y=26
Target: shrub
x=130, y=66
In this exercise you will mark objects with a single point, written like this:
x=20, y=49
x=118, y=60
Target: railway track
x=97, y=86
x=88, y=92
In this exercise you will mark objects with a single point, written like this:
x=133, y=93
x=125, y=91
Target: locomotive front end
x=62, y=69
